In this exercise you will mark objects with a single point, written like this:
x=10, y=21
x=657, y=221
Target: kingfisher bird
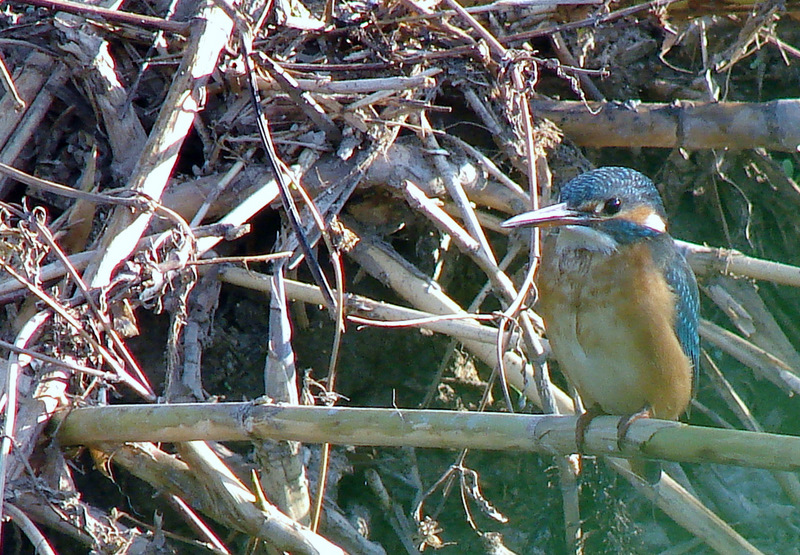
x=618, y=299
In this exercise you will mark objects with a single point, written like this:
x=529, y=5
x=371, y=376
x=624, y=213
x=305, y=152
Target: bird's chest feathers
x=587, y=277
x=610, y=320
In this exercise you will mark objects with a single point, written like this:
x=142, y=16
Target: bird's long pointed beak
x=553, y=215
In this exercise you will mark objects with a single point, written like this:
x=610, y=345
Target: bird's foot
x=649, y=471
x=625, y=423
x=584, y=420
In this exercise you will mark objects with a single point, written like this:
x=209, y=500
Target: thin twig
x=106, y=376
x=101, y=316
x=38, y=541
x=8, y=84
x=289, y=205
x=142, y=389
x=114, y=16
x=29, y=330
x=591, y=21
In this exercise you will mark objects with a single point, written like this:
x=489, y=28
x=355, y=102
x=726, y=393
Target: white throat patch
x=573, y=237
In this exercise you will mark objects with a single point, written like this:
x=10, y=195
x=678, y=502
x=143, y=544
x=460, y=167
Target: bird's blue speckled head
x=598, y=186
x=620, y=204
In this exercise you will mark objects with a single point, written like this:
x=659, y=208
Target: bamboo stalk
x=547, y=434
x=690, y=125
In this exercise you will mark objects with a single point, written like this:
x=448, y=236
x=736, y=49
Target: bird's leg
x=626, y=421
x=583, y=422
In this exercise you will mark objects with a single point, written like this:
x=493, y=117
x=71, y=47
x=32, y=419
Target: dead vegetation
x=151, y=156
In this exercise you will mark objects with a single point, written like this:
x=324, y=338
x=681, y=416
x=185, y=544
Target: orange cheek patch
x=644, y=216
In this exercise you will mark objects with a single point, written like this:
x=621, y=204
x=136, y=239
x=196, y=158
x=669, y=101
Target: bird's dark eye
x=612, y=206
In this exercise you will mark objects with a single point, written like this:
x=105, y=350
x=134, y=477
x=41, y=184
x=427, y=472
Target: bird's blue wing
x=680, y=278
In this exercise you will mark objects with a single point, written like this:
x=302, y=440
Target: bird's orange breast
x=610, y=321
